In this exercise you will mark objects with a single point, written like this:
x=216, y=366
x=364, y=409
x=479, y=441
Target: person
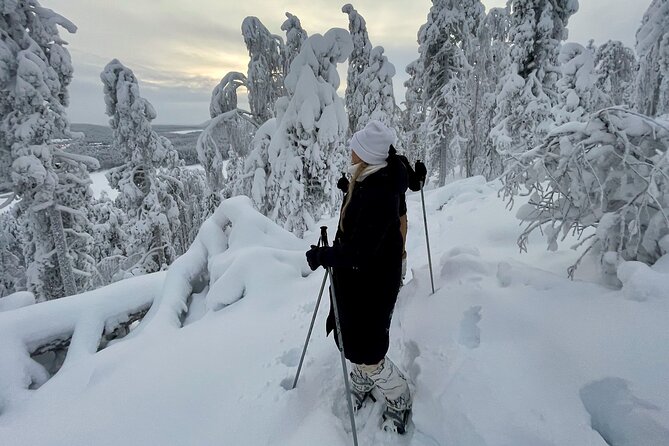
x=416, y=179
x=366, y=262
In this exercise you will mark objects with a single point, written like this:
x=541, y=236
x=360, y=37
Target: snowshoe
x=395, y=420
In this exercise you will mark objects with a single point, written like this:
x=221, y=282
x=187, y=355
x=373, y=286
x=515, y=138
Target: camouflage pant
x=386, y=377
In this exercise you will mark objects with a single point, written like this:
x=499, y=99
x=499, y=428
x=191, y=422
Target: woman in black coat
x=366, y=260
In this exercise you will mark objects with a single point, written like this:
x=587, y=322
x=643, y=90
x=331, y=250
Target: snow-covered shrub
x=610, y=173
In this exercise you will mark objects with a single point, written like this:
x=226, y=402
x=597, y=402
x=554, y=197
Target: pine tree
x=35, y=71
x=295, y=37
x=652, y=47
x=527, y=92
x=146, y=193
x=306, y=152
x=356, y=89
x=266, y=68
x=615, y=67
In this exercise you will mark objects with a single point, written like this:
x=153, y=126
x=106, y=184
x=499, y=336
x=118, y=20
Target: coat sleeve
x=375, y=220
x=414, y=183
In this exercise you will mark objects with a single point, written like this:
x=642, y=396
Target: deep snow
x=508, y=351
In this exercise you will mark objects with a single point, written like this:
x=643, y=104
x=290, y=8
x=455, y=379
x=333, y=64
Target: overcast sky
x=180, y=50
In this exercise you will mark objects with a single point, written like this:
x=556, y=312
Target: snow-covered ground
x=506, y=352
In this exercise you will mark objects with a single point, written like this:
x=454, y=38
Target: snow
x=507, y=351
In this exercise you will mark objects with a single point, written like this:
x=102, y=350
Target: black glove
x=313, y=257
x=421, y=171
x=343, y=183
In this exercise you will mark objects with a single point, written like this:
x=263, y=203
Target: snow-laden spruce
x=527, y=91
x=447, y=48
x=226, y=138
x=151, y=191
x=615, y=67
x=295, y=37
x=578, y=93
x=266, y=68
x=359, y=60
x=306, y=152
x=52, y=185
x=652, y=48
x=493, y=48
x=379, y=100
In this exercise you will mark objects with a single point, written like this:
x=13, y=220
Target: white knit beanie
x=372, y=143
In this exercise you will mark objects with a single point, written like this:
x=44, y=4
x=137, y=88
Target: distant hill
x=98, y=139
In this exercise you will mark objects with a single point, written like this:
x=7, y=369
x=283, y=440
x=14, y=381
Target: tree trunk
x=64, y=262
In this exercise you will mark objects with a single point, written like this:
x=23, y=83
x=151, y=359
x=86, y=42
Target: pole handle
x=324, y=236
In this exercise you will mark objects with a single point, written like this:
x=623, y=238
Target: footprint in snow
x=470, y=333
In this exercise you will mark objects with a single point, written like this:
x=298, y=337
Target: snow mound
x=17, y=300
x=641, y=283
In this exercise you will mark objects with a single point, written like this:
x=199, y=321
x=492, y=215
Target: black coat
x=366, y=257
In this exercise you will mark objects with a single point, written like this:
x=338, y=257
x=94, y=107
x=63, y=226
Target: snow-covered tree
x=652, y=48
x=413, y=115
x=447, y=47
x=527, y=92
x=145, y=191
x=35, y=71
x=295, y=36
x=256, y=167
x=229, y=132
x=615, y=67
x=13, y=273
x=493, y=49
x=379, y=100
x=359, y=61
x=579, y=96
x=266, y=68
x=306, y=152
x=610, y=173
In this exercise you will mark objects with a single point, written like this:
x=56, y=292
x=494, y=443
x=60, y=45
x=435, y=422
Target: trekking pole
x=427, y=237
x=313, y=320
x=340, y=342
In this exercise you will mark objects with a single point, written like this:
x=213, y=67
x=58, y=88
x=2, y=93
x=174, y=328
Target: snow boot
x=358, y=398
x=395, y=420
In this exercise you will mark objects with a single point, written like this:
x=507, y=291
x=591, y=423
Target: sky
x=180, y=50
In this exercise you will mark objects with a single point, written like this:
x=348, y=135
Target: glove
x=421, y=171
x=343, y=183
x=313, y=257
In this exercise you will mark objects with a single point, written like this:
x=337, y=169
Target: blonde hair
x=361, y=166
